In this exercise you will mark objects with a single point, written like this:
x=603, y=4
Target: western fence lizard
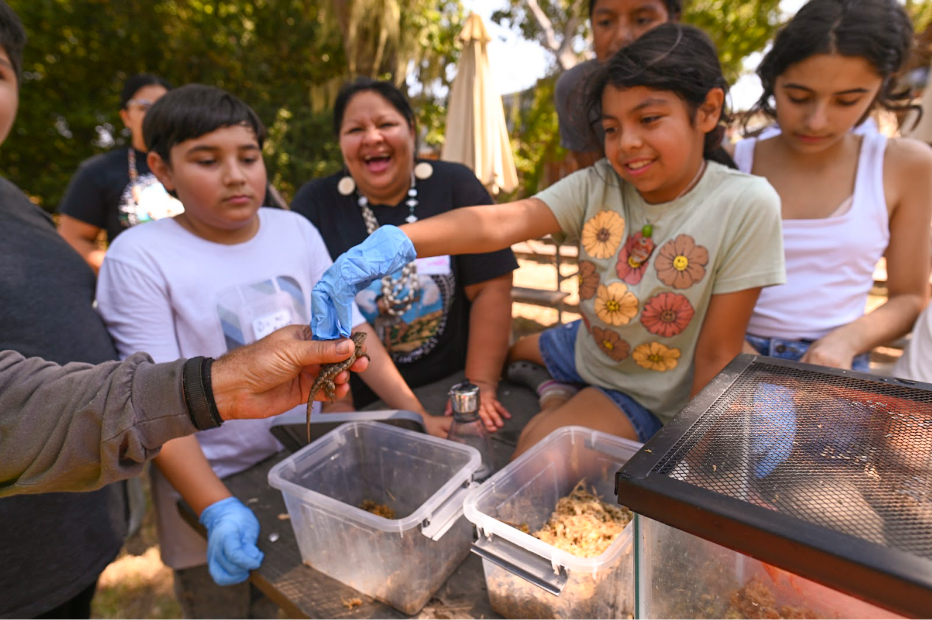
x=329, y=371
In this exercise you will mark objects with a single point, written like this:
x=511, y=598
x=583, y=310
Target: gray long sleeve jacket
x=78, y=427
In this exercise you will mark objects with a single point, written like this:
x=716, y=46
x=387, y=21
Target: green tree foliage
x=286, y=58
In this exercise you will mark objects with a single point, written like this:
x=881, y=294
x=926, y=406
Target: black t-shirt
x=56, y=544
x=429, y=341
x=100, y=193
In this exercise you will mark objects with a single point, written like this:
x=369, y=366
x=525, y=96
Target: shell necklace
x=398, y=301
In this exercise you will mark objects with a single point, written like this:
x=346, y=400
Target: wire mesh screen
x=847, y=454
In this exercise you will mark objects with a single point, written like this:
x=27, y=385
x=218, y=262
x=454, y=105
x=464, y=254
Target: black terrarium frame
x=825, y=473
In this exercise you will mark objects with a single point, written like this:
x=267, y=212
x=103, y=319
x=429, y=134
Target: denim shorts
x=794, y=350
x=558, y=348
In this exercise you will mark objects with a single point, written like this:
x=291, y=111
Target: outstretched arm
x=388, y=384
x=487, y=228
x=79, y=427
x=722, y=334
x=489, y=331
x=908, y=176
x=232, y=528
x=83, y=238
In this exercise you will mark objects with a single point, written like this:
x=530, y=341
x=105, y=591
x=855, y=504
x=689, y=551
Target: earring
x=346, y=185
x=423, y=170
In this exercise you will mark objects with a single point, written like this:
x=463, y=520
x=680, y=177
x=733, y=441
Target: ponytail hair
x=673, y=57
x=879, y=31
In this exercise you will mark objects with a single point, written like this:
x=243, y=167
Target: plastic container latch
x=446, y=515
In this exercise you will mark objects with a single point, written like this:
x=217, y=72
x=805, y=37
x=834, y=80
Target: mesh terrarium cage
x=824, y=473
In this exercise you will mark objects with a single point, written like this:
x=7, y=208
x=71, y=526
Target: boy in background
x=615, y=24
x=222, y=274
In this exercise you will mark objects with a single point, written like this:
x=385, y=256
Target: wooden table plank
x=303, y=592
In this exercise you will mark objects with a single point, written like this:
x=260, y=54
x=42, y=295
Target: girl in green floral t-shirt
x=674, y=247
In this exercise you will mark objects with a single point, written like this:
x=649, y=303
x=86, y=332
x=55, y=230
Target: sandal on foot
x=527, y=373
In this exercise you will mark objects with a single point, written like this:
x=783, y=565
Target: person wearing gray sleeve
x=80, y=426
x=615, y=24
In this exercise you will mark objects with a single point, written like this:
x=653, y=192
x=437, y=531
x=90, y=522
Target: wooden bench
x=546, y=251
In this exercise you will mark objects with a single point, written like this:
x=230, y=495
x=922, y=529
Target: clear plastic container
x=400, y=561
x=684, y=576
x=528, y=578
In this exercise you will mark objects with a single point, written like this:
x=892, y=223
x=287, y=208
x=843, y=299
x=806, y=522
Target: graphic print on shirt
x=667, y=314
x=415, y=333
x=146, y=200
x=602, y=234
x=656, y=356
x=612, y=344
x=588, y=279
x=680, y=263
x=248, y=312
x=615, y=304
x=632, y=261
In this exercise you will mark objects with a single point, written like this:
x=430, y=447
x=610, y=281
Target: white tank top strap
x=869, y=196
x=744, y=154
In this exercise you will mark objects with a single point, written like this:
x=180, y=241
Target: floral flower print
x=681, y=263
x=602, y=234
x=588, y=279
x=615, y=304
x=632, y=260
x=611, y=343
x=655, y=356
x=667, y=314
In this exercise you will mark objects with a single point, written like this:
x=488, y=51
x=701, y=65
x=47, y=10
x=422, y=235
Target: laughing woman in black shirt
x=439, y=315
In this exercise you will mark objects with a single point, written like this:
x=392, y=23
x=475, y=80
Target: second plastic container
x=528, y=578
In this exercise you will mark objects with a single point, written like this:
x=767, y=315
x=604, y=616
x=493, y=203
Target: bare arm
x=184, y=465
x=722, y=334
x=388, y=384
x=489, y=331
x=907, y=176
x=83, y=238
x=487, y=228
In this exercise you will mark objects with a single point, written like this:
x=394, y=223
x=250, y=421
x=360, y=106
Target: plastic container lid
x=418, y=450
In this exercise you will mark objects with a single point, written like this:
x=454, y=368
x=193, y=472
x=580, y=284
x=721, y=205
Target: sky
x=526, y=61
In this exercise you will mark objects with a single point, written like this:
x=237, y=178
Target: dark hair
x=387, y=90
x=12, y=38
x=132, y=85
x=879, y=31
x=191, y=111
x=671, y=57
x=674, y=7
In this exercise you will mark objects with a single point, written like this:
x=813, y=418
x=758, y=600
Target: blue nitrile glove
x=232, y=532
x=773, y=427
x=383, y=253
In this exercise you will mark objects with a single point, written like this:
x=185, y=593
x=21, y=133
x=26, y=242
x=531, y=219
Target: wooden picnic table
x=303, y=592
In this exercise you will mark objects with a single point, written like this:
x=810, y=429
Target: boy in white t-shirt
x=220, y=275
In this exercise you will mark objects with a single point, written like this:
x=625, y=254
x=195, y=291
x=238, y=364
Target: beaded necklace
x=397, y=302
x=133, y=174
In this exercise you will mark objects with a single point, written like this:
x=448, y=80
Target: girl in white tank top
x=847, y=199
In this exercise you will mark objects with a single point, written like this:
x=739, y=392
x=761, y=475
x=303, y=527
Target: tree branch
x=550, y=37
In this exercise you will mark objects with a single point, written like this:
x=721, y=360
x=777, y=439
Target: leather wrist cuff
x=198, y=393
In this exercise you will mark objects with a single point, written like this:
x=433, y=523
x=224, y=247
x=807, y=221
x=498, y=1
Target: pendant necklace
x=133, y=174
x=397, y=301
x=647, y=231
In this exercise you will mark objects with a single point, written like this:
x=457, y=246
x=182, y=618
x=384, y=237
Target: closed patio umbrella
x=476, y=135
